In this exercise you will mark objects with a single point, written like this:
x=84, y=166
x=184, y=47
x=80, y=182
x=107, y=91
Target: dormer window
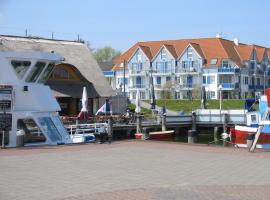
x=20, y=67
x=163, y=54
x=213, y=61
x=189, y=52
x=225, y=64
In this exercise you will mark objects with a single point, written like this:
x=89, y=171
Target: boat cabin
x=28, y=109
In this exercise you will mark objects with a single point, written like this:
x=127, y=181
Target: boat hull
x=239, y=136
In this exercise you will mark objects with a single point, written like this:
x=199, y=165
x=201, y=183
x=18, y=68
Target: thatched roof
x=75, y=53
x=71, y=89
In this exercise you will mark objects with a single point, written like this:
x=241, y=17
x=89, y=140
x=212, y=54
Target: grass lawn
x=189, y=105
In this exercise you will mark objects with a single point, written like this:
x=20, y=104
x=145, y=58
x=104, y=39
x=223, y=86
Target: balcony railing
x=228, y=70
x=229, y=85
x=186, y=70
x=260, y=87
x=137, y=86
x=157, y=85
x=253, y=87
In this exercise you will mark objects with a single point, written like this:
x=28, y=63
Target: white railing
x=84, y=128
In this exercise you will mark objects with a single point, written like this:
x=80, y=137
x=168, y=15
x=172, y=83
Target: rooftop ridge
x=40, y=38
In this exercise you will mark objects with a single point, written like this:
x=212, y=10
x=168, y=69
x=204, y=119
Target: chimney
x=236, y=41
x=218, y=35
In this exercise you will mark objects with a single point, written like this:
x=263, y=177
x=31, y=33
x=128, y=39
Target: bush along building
x=181, y=67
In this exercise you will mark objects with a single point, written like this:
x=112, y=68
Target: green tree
x=106, y=54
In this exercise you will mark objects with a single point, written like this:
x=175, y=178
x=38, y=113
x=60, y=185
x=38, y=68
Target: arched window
x=60, y=73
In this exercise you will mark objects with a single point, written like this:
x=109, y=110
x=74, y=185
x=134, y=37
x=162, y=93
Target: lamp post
x=220, y=96
x=153, y=99
x=123, y=64
x=264, y=74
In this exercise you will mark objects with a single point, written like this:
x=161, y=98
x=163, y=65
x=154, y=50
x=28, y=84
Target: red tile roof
x=207, y=48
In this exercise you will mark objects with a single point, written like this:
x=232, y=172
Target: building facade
x=181, y=67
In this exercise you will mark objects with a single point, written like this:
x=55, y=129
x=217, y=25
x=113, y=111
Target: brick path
x=134, y=170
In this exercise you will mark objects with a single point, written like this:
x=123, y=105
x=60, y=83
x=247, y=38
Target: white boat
x=28, y=109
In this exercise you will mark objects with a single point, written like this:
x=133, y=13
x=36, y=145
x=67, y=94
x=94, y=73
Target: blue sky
x=121, y=23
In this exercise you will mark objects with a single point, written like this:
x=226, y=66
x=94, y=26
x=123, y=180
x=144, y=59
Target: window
x=213, y=61
x=139, y=57
x=168, y=78
x=158, y=79
x=35, y=72
x=163, y=54
x=20, y=67
x=163, y=67
x=189, y=52
x=258, y=81
x=210, y=80
x=225, y=63
x=204, y=79
x=210, y=95
x=61, y=73
x=31, y=131
x=139, y=67
x=246, y=80
x=50, y=129
x=46, y=73
x=184, y=64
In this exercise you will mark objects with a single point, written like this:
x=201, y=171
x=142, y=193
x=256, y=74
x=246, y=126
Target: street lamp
x=123, y=64
x=153, y=99
x=220, y=96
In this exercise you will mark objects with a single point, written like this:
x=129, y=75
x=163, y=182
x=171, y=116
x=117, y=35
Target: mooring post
x=176, y=133
x=192, y=134
x=225, y=127
x=250, y=138
x=110, y=129
x=193, y=115
x=163, y=122
x=216, y=134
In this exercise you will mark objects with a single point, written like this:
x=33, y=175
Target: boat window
x=20, y=67
x=49, y=128
x=46, y=73
x=59, y=125
x=35, y=72
x=29, y=129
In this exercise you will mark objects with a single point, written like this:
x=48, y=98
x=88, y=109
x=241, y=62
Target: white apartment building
x=181, y=67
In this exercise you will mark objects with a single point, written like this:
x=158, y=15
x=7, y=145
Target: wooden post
x=216, y=134
x=176, y=133
x=225, y=127
x=163, y=122
x=193, y=115
x=110, y=129
x=138, y=123
x=3, y=139
x=192, y=134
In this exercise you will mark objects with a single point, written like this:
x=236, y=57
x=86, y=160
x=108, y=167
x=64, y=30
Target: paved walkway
x=134, y=170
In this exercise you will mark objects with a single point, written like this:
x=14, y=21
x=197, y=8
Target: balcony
x=158, y=86
x=184, y=87
x=137, y=86
x=251, y=87
x=259, y=87
x=186, y=70
x=134, y=72
x=228, y=70
x=161, y=72
x=226, y=86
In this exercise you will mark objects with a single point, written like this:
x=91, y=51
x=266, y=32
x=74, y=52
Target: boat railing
x=84, y=128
